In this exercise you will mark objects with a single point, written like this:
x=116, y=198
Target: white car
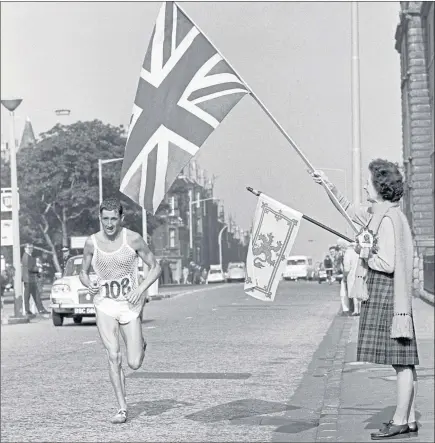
x=299, y=267
x=236, y=272
x=69, y=298
x=215, y=275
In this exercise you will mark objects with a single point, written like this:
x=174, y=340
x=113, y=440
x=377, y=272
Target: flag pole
x=280, y=128
x=311, y=220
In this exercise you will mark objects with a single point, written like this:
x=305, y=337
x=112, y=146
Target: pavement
x=368, y=391
x=220, y=366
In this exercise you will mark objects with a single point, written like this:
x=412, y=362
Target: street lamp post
x=356, y=128
x=191, y=215
x=220, y=244
x=19, y=314
x=154, y=288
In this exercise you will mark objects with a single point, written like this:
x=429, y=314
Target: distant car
x=321, y=275
x=69, y=298
x=236, y=272
x=299, y=267
x=215, y=275
x=338, y=277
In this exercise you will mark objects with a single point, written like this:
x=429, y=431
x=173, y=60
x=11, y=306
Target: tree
x=5, y=173
x=58, y=180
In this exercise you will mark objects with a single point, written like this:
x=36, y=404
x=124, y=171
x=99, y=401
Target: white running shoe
x=120, y=417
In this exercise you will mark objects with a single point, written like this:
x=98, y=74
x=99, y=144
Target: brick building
x=171, y=240
x=415, y=44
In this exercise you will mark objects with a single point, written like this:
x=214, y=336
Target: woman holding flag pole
x=384, y=286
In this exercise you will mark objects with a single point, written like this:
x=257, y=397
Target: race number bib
x=116, y=287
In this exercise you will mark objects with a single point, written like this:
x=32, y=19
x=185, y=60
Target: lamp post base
x=6, y=320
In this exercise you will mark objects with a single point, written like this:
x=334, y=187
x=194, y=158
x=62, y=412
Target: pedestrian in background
x=39, y=276
x=350, y=263
x=29, y=278
x=339, y=269
x=329, y=265
x=386, y=328
x=185, y=275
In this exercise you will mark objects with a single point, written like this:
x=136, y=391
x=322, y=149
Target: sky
x=295, y=56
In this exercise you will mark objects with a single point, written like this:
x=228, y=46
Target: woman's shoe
x=391, y=431
x=413, y=427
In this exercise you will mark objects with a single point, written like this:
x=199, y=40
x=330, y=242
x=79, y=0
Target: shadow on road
x=239, y=409
x=152, y=408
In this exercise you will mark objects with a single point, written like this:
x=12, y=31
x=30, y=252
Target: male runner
x=113, y=253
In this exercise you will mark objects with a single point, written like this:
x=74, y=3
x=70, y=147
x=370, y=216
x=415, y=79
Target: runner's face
x=111, y=221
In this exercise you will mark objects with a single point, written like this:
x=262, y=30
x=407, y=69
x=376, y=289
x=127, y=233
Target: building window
x=171, y=237
x=173, y=205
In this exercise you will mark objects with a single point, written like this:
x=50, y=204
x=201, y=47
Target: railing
x=428, y=272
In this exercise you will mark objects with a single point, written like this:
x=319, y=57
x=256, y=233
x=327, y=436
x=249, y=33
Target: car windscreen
x=74, y=266
x=236, y=266
x=296, y=262
x=215, y=271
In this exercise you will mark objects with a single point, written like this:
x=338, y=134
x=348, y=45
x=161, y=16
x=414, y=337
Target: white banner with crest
x=275, y=229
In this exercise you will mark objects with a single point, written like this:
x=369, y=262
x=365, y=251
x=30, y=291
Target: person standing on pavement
x=350, y=263
x=339, y=268
x=185, y=275
x=386, y=329
x=119, y=298
x=329, y=264
x=29, y=276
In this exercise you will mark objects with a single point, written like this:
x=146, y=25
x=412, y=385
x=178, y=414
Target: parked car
x=68, y=297
x=215, y=274
x=236, y=272
x=299, y=267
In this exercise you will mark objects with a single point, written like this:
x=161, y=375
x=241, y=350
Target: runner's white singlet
x=117, y=274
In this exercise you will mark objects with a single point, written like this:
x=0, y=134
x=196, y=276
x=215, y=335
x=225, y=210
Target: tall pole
x=11, y=105
x=100, y=185
x=356, y=136
x=18, y=305
x=154, y=288
x=220, y=244
x=190, y=221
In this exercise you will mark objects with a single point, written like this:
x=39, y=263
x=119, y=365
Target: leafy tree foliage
x=5, y=173
x=58, y=181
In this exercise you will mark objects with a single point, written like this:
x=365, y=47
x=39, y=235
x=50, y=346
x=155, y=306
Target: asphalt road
x=220, y=366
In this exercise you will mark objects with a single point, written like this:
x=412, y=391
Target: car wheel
x=78, y=320
x=57, y=319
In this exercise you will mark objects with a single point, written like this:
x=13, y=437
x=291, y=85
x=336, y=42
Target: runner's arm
x=148, y=258
x=88, y=252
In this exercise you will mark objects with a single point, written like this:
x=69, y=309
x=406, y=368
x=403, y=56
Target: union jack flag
x=185, y=90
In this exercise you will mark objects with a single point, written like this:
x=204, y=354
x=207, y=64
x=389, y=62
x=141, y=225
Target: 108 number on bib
x=115, y=288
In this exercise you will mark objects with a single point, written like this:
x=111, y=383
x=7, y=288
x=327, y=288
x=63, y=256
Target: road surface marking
x=150, y=327
x=187, y=318
x=89, y=342
x=193, y=291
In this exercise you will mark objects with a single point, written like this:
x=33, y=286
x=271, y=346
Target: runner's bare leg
x=108, y=328
x=134, y=342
